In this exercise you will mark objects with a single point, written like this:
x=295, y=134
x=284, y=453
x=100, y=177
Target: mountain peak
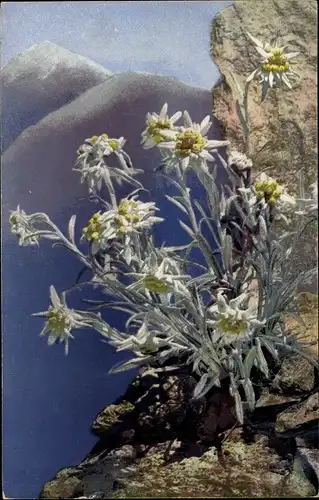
x=40, y=80
x=45, y=58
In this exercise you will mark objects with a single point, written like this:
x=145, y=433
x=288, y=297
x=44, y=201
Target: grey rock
x=285, y=124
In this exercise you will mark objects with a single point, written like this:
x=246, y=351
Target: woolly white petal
x=56, y=302
x=255, y=40
x=176, y=116
x=163, y=111
x=187, y=119
x=252, y=75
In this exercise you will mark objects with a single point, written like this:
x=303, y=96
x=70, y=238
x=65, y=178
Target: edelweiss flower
x=275, y=66
x=155, y=124
x=144, y=342
x=160, y=278
x=189, y=145
x=23, y=226
x=91, y=162
x=61, y=320
x=308, y=203
x=231, y=323
x=131, y=216
x=268, y=190
x=239, y=160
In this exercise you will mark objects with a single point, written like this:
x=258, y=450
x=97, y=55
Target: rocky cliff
x=286, y=122
x=157, y=442
x=287, y=118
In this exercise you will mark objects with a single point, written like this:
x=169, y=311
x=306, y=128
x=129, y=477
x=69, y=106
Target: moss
x=308, y=302
x=110, y=416
x=243, y=471
x=65, y=487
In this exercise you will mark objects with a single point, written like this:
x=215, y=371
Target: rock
x=175, y=444
x=41, y=80
x=219, y=416
x=242, y=470
x=109, y=416
x=301, y=421
x=296, y=376
x=293, y=128
x=64, y=485
x=286, y=122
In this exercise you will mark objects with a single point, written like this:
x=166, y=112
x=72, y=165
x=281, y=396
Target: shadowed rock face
x=41, y=80
x=157, y=441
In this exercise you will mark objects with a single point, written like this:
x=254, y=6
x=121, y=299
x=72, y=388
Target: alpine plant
x=224, y=321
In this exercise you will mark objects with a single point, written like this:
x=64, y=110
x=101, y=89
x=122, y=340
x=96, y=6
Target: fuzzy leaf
x=249, y=393
x=205, y=384
x=71, y=228
x=249, y=361
x=261, y=359
x=130, y=364
x=270, y=348
x=176, y=203
x=188, y=230
x=238, y=405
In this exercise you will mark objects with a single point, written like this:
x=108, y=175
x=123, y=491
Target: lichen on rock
x=109, y=416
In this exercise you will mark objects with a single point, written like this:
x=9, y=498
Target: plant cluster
x=212, y=321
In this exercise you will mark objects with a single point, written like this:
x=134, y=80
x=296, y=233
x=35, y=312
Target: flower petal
x=163, y=111
x=56, y=302
x=255, y=40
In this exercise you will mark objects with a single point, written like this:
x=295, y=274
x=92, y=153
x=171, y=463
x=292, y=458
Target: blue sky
x=169, y=38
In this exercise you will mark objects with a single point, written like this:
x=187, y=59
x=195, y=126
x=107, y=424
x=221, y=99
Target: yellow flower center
x=231, y=325
x=13, y=219
x=93, y=230
x=93, y=139
x=277, y=62
x=128, y=212
x=58, y=320
x=154, y=284
x=154, y=128
x=269, y=190
x=113, y=144
x=189, y=142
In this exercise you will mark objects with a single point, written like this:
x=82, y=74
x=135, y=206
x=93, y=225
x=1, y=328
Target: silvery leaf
x=250, y=361
x=71, y=228
x=130, y=364
x=249, y=393
x=188, y=230
x=261, y=359
x=177, y=203
x=268, y=345
x=205, y=384
x=238, y=405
